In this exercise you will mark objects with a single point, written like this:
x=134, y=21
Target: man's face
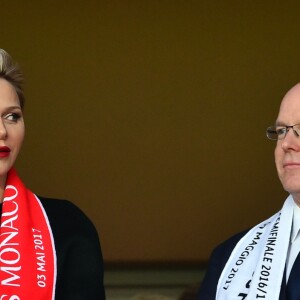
x=287, y=151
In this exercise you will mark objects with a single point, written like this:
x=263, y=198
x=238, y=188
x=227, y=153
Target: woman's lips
x=4, y=151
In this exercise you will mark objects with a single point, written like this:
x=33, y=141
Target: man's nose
x=291, y=141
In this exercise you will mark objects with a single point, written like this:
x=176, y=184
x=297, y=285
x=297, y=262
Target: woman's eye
x=14, y=117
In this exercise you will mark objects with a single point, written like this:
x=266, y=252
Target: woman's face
x=12, y=129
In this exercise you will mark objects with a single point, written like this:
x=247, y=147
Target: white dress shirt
x=294, y=241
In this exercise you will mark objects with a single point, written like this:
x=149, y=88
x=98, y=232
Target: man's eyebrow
x=279, y=123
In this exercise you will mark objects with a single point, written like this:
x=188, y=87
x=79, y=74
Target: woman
x=48, y=248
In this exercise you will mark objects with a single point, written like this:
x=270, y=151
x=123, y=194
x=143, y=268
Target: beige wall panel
x=151, y=115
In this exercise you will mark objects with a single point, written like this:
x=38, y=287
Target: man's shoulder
x=225, y=248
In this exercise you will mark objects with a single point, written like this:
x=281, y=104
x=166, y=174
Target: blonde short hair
x=10, y=71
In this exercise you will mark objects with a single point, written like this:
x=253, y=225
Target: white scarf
x=256, y=265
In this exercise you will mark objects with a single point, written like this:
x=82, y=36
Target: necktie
x=293, y=284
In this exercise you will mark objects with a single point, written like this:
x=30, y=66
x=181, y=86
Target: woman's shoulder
x=65, y=216
x=56, y=205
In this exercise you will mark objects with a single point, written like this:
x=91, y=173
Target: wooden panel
x=151, y=115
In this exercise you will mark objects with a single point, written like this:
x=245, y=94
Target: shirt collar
x=296, y=222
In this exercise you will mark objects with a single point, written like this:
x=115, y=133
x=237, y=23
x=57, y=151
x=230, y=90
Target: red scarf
x=27, y=252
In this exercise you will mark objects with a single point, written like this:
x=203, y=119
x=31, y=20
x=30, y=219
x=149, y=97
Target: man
x=262, y=263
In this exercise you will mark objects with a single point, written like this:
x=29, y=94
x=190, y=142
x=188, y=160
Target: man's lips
x=4, y=151
x=290, y=164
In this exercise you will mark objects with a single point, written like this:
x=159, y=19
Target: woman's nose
x=3, y=130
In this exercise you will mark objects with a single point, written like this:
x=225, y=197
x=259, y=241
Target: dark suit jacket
x=79, y=258
x=216, y=265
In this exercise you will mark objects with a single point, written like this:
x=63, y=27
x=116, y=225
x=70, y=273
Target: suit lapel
x=293, y=286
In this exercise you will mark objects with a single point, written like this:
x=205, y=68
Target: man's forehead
x=289, y=111
x=293, y=94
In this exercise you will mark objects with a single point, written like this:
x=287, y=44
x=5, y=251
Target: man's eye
x=281, y=131
x=13, y=117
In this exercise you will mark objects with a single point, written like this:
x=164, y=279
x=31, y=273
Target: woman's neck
x=2, y=186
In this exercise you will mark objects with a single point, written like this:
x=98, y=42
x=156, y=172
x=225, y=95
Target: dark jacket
x=79, y=258
x=216, y=265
